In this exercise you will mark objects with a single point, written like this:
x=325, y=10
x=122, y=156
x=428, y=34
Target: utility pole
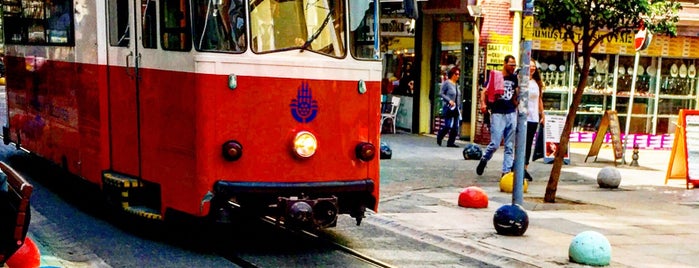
x=526, y=29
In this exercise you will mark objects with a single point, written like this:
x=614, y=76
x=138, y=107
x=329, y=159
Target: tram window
x=150, y=35
x=38, y=22
x=362, y=29
x=219, y=25
x=118, y=23
x=298, y=24
x=59, y=22
x=174, y=25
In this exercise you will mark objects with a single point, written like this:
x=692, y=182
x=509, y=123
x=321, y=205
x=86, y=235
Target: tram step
x=132, y=195
x=144, y=212
x=120, y=181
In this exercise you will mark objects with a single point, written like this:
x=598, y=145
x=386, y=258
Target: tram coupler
x=304, y=213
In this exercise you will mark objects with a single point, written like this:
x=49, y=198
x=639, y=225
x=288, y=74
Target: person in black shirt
x=503, y=117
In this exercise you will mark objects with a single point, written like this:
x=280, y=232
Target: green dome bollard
x=590, y=248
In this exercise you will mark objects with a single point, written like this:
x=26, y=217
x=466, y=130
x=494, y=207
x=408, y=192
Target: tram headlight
x=365, y=151
x=305, y=144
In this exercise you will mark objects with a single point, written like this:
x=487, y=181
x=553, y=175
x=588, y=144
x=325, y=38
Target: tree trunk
x=552, y=186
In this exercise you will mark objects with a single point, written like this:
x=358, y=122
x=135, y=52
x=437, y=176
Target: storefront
x=476, y=35
x=449, y=40
x=400, y=75
x=666, y=81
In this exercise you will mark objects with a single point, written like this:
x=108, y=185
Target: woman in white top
x=536, y=111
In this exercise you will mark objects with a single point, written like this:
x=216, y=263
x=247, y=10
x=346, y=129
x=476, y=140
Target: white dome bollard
x=609, y=177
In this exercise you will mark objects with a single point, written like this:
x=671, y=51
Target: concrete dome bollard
x=506, y=183
x=473, y=197
x=609, y=177
x=511, y=220
x=590, y=248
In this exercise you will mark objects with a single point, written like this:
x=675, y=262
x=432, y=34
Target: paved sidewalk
x=648, y=223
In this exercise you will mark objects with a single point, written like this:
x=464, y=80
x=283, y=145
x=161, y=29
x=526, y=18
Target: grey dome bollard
x=609, y=177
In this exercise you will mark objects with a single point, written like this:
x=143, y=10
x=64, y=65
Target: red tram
x=196, y=106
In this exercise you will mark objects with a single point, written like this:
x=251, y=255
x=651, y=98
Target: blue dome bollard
x=590, y=248
x=511, y=220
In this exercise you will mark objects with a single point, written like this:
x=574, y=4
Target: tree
x=587, y=23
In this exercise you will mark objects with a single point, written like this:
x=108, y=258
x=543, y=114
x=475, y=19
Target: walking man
x=501, y=99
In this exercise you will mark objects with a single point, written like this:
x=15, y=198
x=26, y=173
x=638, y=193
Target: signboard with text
x=684, y=158
x=610, y=122
x=497, y=52
x=553, y=127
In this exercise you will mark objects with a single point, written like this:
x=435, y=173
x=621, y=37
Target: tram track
x=317, y=248
x=340, y=247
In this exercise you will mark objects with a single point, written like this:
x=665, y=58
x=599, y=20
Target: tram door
x=148, y=56
x=122, y=69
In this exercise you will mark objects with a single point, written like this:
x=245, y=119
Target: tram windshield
x=316, y=25
x=274, y=25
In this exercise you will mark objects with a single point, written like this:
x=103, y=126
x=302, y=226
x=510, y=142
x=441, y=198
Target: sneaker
x=527, y=176
x=453, y=145
x=481, y=166
x=439, y=142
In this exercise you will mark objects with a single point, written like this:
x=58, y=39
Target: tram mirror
x=232, y=81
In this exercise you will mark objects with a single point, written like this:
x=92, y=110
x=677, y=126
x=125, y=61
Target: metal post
x=377, y=36
x=630, y=107
x=521, y=138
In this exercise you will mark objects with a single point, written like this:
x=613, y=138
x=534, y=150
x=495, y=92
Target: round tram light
x=305, y=144
x=365, y=151
x=232, y=150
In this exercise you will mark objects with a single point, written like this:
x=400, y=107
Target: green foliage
x=612, y=17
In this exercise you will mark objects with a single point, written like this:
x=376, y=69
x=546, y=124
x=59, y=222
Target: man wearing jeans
x=503, y=116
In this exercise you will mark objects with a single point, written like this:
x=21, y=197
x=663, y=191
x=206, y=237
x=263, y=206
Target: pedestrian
x=501, y=100
x=451, y=97
x=535, y=115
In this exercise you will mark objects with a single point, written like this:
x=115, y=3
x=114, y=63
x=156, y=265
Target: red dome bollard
x=27, y=256
x=473, y=197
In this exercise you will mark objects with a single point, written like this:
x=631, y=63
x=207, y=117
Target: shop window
x=174, y=25
x=118, y=23
x=38, y=22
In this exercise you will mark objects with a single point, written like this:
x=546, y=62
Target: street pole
x=629, y=109
x=523, y=98
x=641, y=42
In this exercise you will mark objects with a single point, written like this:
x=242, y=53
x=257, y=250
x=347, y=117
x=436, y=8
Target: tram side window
x=219, y=25
x=118, y=22
x=38, y=22
x=362, y=29
x=150, y=36
x=174, y=25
